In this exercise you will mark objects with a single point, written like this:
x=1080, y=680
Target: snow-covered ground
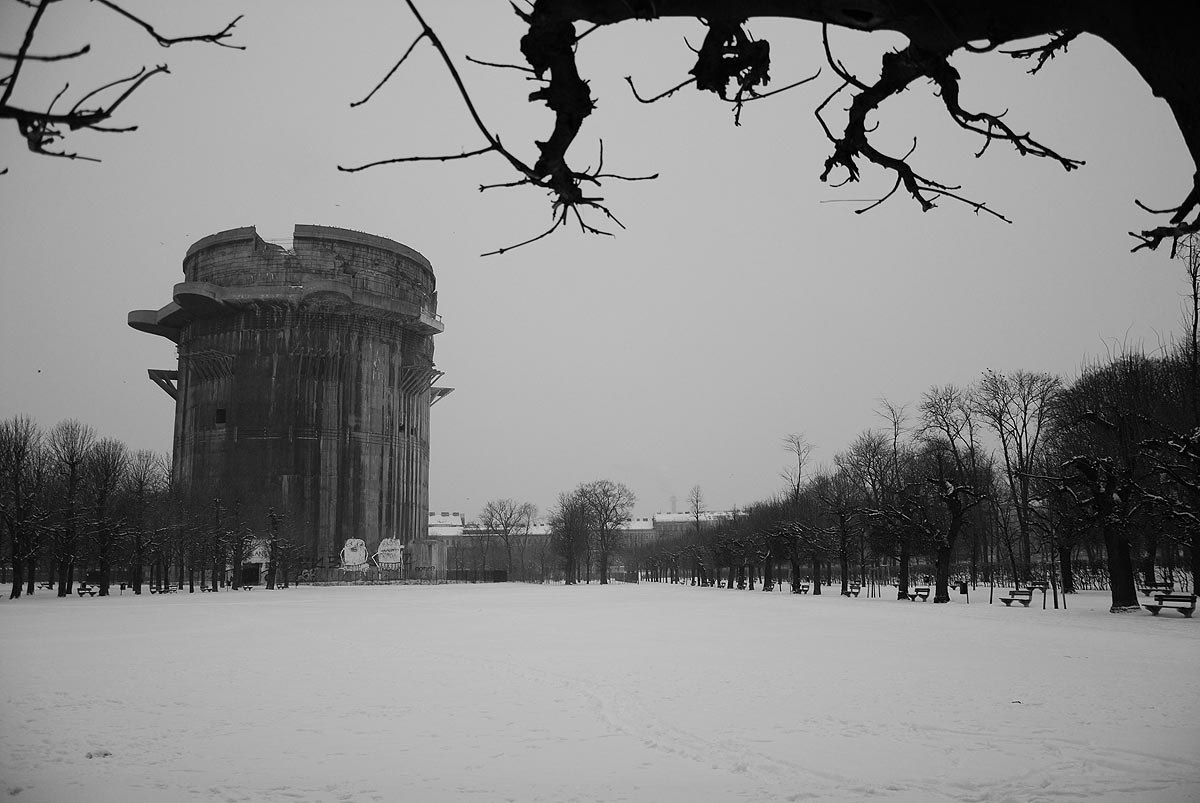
x=617, y=693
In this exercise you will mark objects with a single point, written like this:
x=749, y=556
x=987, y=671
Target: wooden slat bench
x=921, y=592
x=1184, y=603
x=853, y=589
x=1148, y=589
x=84, y=588
x=801, y=588
x=1021, y=595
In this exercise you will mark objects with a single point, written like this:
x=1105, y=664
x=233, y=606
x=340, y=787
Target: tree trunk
x=844, y=565
x=61, y=569
x=975, y=539
x=104, y=575
x=1066, y=570
x=238, y=548
x=1195, y=560
x=31, y=575
x=18, y=577
x=816, y=581
x=902, y=580
x=272, y=560
x=1012, y=559
x=941, y=570
x=1120, y=571
x=1151, y=553
x=139, y=561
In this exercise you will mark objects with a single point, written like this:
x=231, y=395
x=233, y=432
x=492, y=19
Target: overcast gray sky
x=745, y=301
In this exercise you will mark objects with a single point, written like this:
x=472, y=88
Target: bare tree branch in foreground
x=44, y=129
x=735, y=66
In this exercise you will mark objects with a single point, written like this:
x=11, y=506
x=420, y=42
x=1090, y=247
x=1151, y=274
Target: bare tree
x=69, y=443
x=949, y=435
x=610, y=506
x=145, y=483
x=842, y=500
x=1018, y=408
x=1127, y=459
x=1188, y=249
x=274, y=550
x=507, y=519
x=22, y=482
x=105, y=470
x=800, y=449
x=569, y=533
x=735, y=66
x=45, y=127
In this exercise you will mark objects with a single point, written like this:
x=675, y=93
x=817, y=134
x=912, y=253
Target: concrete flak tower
x=304, y=383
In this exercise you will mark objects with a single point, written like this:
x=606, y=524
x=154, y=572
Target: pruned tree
x=734, y=65
x=1109, y=416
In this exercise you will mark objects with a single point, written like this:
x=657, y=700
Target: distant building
x=454, y=544
x=668, y=524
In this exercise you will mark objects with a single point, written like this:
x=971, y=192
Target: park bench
x=84, y=588
x=802, y=588
x=853, y=589
x=1184, y=603
x=1021, y=595
x=1157, y=588
x=919, y=591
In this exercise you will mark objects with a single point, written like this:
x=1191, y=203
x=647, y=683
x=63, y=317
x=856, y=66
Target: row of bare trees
x=77, y=507
x=505, y=543
x=1014, y=477
x=70, y=498
x=584, y=538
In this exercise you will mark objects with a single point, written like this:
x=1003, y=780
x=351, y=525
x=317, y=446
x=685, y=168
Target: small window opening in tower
x=219, y=418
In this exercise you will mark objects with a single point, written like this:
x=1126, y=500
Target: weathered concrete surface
x=304, y=383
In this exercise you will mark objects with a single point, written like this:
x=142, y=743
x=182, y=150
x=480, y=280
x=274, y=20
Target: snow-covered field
x=617, y=693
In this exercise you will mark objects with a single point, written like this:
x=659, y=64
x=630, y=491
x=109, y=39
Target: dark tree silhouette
x=44, y=128
x=735, y=66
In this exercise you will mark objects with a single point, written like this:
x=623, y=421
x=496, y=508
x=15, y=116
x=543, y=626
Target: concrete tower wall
x=304, y=383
